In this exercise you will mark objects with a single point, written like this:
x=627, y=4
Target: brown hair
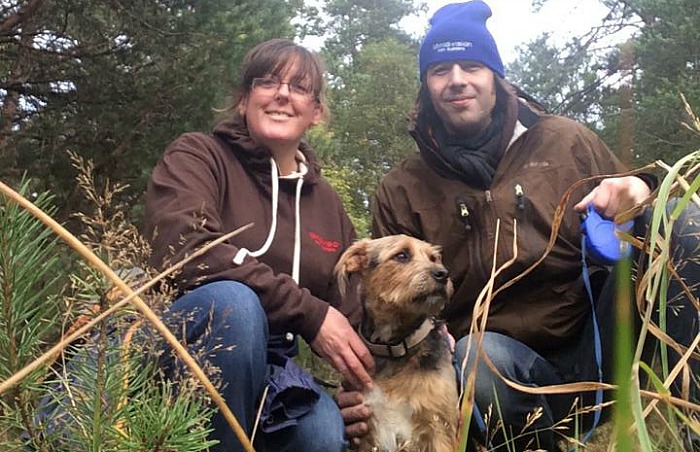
x=274, y=57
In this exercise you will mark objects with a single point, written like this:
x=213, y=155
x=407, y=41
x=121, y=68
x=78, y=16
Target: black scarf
x=475, y=158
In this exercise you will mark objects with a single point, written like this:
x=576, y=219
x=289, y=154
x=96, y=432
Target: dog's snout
x=440, y=275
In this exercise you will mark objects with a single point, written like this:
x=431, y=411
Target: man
x=488, y=156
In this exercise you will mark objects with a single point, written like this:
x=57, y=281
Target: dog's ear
x=354, y=259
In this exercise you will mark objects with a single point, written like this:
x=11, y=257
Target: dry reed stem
x=681, y=180
x=259, y=414
x=484, y=298
x=483, y=301
x=132, y=296
x=559, y=215
x=695, y=126
x=481, y=309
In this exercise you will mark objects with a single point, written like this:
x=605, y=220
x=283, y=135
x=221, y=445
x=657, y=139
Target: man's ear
x=354, y=259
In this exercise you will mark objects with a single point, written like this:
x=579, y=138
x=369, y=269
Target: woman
x=249, y=298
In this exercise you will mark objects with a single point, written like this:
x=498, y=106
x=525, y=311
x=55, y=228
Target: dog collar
x=403, y=347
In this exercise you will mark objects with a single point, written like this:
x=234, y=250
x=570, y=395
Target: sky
x=513, y=23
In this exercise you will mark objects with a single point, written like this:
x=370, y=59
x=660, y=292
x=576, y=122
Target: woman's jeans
x=224, y=324
x=576, y=362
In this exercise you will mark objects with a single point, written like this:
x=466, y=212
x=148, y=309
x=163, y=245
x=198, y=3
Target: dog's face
x=403, y=279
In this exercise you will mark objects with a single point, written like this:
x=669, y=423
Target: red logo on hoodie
x=329, y=246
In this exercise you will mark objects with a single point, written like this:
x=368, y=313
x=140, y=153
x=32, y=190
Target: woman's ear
x=242, y=105
x=319, y=114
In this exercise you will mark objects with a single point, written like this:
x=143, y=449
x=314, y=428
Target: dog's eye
x=402, y=256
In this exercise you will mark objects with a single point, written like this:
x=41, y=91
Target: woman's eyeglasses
x=271, y=84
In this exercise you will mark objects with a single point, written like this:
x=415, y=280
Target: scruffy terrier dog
x=414, y=400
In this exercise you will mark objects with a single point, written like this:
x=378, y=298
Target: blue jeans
x=519, y=363
x=225, y=322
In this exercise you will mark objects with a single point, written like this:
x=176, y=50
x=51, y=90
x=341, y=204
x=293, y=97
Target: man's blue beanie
x=458, y=32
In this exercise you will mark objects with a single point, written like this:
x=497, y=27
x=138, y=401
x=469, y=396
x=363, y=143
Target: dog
x=404, y=286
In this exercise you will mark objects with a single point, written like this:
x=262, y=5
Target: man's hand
x=340, y=345
x=615, y=195
x=355, y=414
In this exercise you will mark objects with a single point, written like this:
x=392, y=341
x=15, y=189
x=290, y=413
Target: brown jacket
x=428, y=201
x=207, y=185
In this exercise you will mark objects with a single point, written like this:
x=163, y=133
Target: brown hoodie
x=207, y=185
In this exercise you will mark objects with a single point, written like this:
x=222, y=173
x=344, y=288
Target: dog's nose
x=440, y=275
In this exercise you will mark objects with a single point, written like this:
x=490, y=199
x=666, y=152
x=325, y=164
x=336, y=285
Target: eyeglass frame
x=294, y=88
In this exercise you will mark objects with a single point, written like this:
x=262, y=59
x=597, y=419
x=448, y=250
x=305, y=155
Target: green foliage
x=104, y=392
x=116, y=81
x=589, y=81
x=161, y=420
x=29, y=307
x=369, y=131
x=372, y=117
x=669, y=64
x=372, y=72
x=106, y=397
x=342, y=180
x=29, y=277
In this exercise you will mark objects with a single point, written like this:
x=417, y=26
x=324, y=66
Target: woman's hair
x=273, y=57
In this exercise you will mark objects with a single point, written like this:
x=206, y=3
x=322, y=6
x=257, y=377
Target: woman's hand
x=615, y=195
x=340, y=345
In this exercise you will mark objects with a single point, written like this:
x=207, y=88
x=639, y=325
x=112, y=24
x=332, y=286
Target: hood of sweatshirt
x=256, y=158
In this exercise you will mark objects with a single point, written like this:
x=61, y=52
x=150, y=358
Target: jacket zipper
x=463, y=214
x=465, y=218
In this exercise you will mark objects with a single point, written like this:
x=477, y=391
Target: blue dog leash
x=600, y=240
x=598, y=348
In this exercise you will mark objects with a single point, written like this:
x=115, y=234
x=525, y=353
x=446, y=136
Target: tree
x=568, y=81
x=574, y=78
x=668, y=64
x=372, y=77
x=592, y=81
x=369, y=129
x=116, y=81
x=351, y=24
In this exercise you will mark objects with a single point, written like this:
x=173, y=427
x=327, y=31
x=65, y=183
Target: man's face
x=463, y=95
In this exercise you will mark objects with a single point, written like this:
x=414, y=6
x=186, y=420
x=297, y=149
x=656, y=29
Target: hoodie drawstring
x=243, y=252
x=297, y=233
